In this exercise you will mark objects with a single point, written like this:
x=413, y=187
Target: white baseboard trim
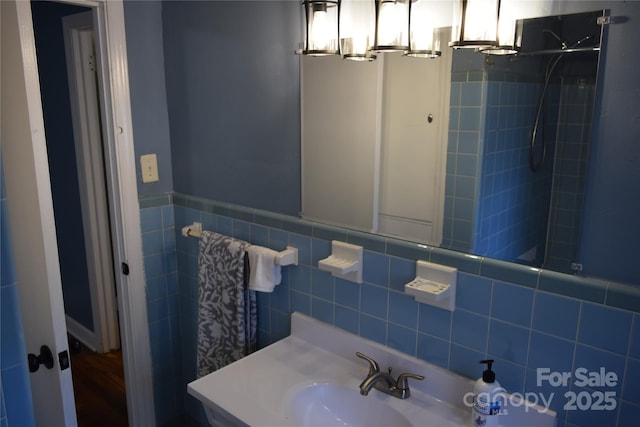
x=81, y=333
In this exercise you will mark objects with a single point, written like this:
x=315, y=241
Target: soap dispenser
x=486, y=399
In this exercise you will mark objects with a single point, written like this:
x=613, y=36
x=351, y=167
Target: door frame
x=120, y=174
x=120, y=164
x=85, y=113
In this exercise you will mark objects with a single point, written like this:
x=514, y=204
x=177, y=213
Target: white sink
x=312, y=377
x=327, y=405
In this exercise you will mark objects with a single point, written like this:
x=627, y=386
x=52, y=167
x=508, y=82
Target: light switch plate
x=149, y=167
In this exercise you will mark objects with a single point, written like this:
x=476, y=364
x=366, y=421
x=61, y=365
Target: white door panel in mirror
x=403, y=187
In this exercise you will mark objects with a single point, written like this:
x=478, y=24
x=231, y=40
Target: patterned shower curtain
x=227, y=319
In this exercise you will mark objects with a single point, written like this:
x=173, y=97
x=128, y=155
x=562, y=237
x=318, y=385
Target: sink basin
x=324, y=405
x=311, y=378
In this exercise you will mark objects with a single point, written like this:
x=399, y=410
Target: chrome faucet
x=384, y=381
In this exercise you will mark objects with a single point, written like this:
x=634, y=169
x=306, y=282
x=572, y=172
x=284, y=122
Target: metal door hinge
x=603, y=20
x=92, y=63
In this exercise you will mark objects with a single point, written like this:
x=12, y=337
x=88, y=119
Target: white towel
x=265, y=274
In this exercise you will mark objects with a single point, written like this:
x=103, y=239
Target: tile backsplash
x=522, y=317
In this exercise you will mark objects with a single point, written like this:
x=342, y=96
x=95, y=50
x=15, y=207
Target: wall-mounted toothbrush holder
x=344, y=262
x=434, y=285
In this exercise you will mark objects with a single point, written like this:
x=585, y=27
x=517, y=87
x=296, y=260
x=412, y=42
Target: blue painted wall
x=611, y=231
x=233, y=93
x=52, y=67
x=143, y=23
x=16, y=405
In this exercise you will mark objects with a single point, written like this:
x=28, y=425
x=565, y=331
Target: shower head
x=563, y=44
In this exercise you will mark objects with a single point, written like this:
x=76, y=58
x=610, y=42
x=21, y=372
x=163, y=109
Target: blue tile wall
x=526, y=319
x=161, y=272
x=510, y=193
x=16, y=405
x=464, y=149
x=574, y=122
x=488, y=179
x=477, y=173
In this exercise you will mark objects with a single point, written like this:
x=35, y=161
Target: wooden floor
x=98, y=384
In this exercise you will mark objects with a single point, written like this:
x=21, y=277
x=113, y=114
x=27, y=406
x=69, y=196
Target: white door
x=415, y=120
x=32, y=224
x=31, y=217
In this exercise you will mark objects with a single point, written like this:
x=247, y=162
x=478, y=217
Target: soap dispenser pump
x=486, y=399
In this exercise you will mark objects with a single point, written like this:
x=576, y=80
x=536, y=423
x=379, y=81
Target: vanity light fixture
x=321, y=27
x=509, y=37
x=357, y=29
x=392, y=25
x=425, y=30
x=475, y=23
x=427, y=45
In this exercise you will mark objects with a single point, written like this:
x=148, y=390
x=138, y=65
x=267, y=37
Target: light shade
x=357, y=29
x=427, y=44
x=392, y=25
x=509, y=37
x=424, y=32
x=321, y=27
x=475, y=23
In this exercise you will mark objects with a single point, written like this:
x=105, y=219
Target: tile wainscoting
x=522, y=317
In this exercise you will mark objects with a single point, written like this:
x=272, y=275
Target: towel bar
x=193, y=230
x=287, y=257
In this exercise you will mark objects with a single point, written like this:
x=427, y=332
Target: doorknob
x=45, y=358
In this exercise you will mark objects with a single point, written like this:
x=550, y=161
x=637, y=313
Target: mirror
x=482, y=154
x=374, y=143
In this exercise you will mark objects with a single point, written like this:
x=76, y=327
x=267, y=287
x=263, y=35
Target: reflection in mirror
x=518, y=153
x=374, y=143
x=504, y=179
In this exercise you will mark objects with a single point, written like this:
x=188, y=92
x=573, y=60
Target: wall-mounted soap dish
x=344, y=262
x=434, y=285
